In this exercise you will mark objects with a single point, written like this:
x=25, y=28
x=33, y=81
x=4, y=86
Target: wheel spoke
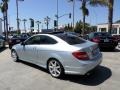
x=51, y=63
x=51, y=67
x=58, y=71
x=57, y=67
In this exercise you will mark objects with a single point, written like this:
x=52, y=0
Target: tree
x=4, y=8
x=109, y=4
x=85, y=11
x=24, y=21
x=38, y=24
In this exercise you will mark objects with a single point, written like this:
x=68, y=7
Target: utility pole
x=18, y=23
x=73, y=14
x=57, y=15
x=18, y=28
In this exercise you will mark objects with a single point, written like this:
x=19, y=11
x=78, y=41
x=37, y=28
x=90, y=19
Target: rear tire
x=14, y=56
x=55, y=68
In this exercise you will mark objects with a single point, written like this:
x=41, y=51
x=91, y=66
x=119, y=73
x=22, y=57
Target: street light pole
x=73, y=14
x=57, y=15
x=18, y=28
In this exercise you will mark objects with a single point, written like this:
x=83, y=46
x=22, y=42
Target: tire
x=10, y=46
x=55, y=68
x=3, y=44
x=14, y=56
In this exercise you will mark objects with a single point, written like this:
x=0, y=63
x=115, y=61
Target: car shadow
x=34, y=66
x=2, y=49
x=100, y=74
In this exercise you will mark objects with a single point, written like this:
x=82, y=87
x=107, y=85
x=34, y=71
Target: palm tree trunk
x=84, y=14
x=110, y=15
x=83, y=24
x=4, y=25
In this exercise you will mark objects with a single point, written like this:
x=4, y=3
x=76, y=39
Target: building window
x=114, y=31
x=103, y=29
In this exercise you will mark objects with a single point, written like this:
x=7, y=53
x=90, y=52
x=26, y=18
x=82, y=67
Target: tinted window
x=41, y=39
x=71, y=39
x=91, y=35
x=47, y=40
x=33, y=40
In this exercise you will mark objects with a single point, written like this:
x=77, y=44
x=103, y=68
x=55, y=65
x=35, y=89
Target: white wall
x=117, y=25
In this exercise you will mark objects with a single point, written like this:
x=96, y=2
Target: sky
x=39, y=9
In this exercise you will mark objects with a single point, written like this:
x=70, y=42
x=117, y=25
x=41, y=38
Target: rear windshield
x=71, y=39
x=102, y=34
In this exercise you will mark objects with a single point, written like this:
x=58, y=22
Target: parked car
x=117, y=37
x=59, y=53
x=17, y=39
x=104, y=40
x=2, y=41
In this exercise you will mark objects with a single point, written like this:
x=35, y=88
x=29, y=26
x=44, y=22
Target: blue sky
x=39, y=9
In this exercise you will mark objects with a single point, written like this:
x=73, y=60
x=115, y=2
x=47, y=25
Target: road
x=24, y=76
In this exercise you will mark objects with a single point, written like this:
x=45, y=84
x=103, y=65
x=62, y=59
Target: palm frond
x=98, y=2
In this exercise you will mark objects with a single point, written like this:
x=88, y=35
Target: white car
x=59, y=53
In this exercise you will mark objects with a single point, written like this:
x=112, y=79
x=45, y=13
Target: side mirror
x=23, y=43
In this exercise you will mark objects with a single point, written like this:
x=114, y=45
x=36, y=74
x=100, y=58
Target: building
x=104, y=28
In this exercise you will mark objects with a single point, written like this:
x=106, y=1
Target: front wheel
x=55, y=68
x=14, y=56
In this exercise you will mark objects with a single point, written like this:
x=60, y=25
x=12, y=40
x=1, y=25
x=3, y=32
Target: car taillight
x=97, y=39
x=81, y=55
x=114, y=39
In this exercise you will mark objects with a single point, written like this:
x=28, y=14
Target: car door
x=44, y=49
x=29, y=52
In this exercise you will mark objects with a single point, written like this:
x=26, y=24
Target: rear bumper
x=107, y=45
x=84, y=67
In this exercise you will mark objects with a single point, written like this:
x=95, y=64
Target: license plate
x=17, y=40
x=106, y=40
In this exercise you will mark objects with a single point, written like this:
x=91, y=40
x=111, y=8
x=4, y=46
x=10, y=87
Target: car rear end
x=105, y=40
x=82, y=56
x=85, y=59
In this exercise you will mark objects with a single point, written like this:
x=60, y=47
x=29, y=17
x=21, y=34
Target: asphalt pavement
x=25, y=76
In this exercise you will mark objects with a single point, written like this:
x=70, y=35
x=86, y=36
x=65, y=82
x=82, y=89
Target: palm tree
x=85, y=11
x=38, y=23
x=109, y=4
x=4, y=8
x=24, y=21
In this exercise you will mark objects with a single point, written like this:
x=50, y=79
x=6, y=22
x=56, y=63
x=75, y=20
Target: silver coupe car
x=59, y=53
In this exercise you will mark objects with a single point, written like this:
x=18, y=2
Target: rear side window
x=71, y=39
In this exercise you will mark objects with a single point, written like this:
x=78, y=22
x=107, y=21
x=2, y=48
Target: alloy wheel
x=14, y=55
x=55, y=68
